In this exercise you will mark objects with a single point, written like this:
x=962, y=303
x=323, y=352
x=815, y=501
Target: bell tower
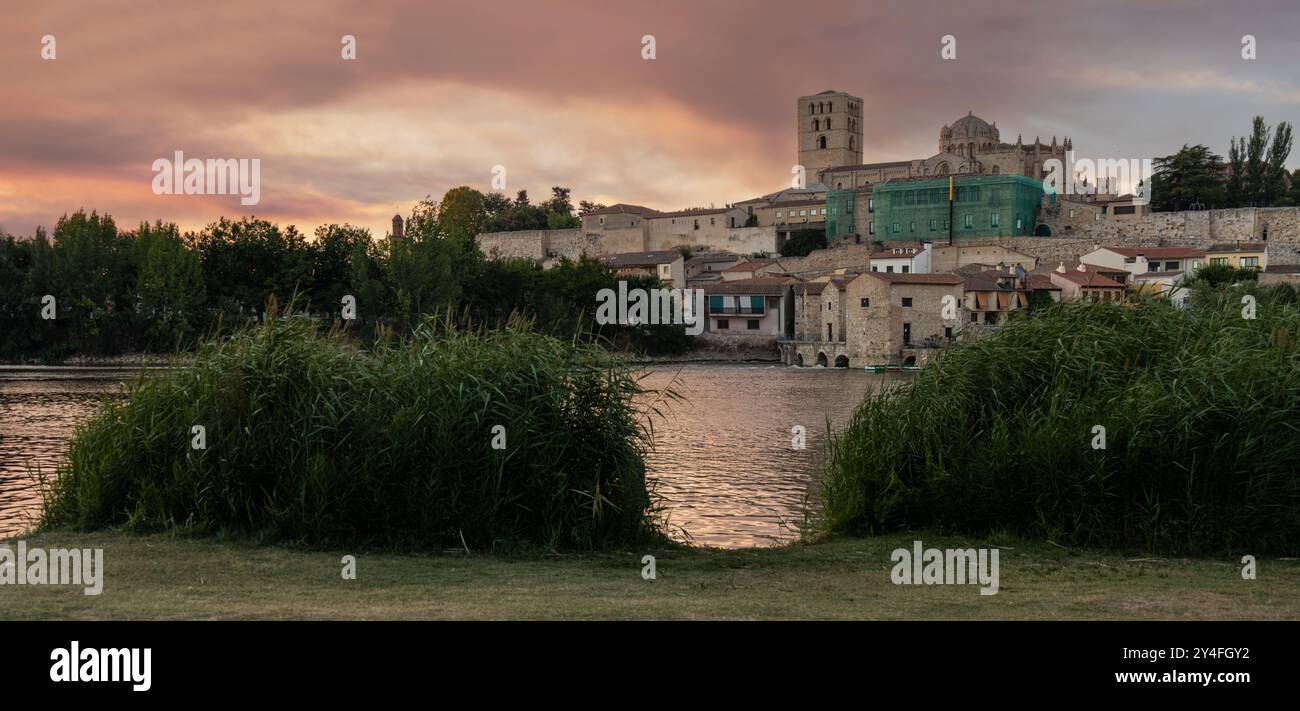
x=830, y=130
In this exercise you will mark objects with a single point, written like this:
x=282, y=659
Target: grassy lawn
x=160, y=577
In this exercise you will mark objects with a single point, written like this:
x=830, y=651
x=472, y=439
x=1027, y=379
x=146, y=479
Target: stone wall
x=552, y=245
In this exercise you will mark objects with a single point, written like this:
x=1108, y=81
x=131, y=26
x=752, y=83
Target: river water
x=723, y=464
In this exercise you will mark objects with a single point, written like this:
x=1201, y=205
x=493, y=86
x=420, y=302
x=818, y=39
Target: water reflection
x=722, y=462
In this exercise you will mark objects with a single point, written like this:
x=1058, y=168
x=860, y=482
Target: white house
x=1145, y=260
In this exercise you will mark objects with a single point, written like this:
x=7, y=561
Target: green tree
x=1257, y=165
x=1188, y=177
x=171, y=295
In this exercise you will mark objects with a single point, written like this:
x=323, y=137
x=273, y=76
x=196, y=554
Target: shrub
x=1201, y=410
x=310, y=439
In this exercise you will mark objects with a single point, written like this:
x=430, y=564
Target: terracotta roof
x=750, y=266
x=761, y=285
x=1237, y=247
x=694, y=213
x=703, y=258
x=624, y=208
x=1158, y=252
x=642, y=259
x=1040, y=282
x=1091, y=279
x=988, y=281
x=898, y=278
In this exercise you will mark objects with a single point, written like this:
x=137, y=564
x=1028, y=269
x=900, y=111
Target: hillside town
x=914, y=252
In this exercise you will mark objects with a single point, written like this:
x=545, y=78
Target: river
x=723, y=463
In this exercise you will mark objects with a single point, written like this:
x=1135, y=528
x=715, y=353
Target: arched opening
x=798, y=359
x=910, y=360
x=817, y=124
x=850, y=142
x=821, y=359
x=828, y=124
x=841, y=361
x=821, y=142
x=943, y=169
x=997, y=170
x=1042, y=231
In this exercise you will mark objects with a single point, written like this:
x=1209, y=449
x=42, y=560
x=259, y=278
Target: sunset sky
x=558, y=93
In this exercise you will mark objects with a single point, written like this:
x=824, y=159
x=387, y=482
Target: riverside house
x=1083, y=283
x=751, y=308
x=667, y=265
x=1146, y=260
x=1239, y=255
x=991, y=296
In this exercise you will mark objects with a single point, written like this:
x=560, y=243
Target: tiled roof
x=898, y=278
x=1237, y=247
x=642, y=259
x=1040, y=282
x=694, y=213
x=624, y=208
x=1158, y=252
x=1091, y=279
x=761, y=285
x=750, y=266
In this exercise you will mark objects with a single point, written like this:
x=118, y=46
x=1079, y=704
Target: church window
x=828, y=124
x=821, y=142
x=830, y=106
x=817, y=124
x=850, y=142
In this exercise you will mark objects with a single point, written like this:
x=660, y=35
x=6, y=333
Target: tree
x=460, y=215
x=171, y=298
x=1188, y=177
x=1258, y=176
x=802, y=242
x=332, y=255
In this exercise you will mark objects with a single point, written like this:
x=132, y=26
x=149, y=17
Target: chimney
x=397, y=228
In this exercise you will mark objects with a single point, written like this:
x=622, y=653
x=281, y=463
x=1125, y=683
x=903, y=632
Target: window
x=821, y=142
x=1153, y=266
x=723, y=324
x=803, y=213
x=697, y=224
x=871, y=227
x=874, y=268
x=895, y=228
x=969, y=221
x=934, y=224
x=890, y=268
x=823, y=211
x=906, y=269
x=947, y=332
x=865, y=301
x=751, y=324
x=1071, y=212
x=1249, y=262
x=974, y=317
x=830, y=331
x=871, y=204
x=911, y=226
x=1218, y=260
x=1171, y=266
x=995, y=218
x=907, y=301
x=778, y=213
x=717, y=305
x=1018, y=222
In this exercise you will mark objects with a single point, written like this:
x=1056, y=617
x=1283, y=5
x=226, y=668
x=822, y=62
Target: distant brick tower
x=830, y=131
x=397, y=228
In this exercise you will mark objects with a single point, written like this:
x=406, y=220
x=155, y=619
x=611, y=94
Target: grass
x=170, y=577
x=1201, y=412
x=483, y=439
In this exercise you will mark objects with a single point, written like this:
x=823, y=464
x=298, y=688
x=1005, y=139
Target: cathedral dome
x=970, y=126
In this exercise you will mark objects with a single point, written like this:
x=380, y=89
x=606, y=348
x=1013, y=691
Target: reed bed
x=310, y=439
x=1201, y=410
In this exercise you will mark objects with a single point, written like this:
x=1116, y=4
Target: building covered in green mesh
x=983, y=206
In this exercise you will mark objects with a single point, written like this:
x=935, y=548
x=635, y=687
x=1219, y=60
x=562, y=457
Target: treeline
x=153, y=289
x=1254, y=174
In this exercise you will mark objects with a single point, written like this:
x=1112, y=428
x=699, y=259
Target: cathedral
x=830, y=147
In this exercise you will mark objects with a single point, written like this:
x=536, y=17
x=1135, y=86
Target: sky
x=441, y=94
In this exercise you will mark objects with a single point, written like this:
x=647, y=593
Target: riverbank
x=159, y=577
